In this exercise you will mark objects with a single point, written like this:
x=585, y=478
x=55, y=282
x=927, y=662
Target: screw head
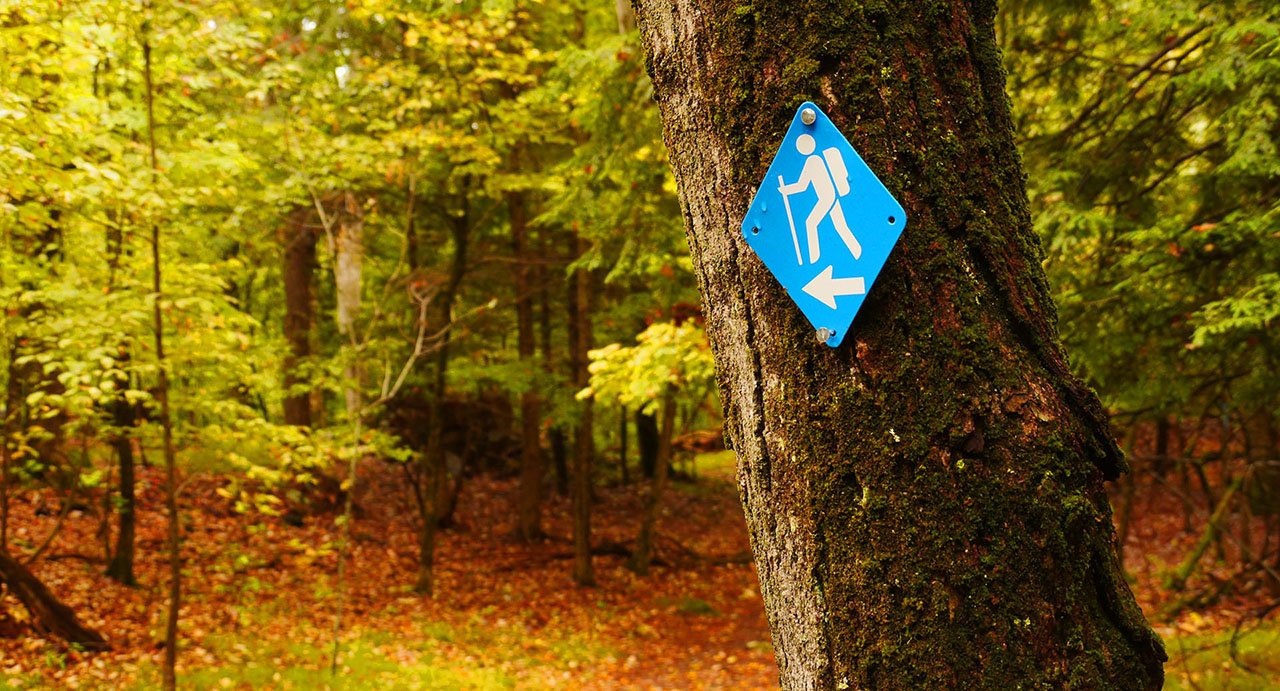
x=824, y=334
x=807, y=116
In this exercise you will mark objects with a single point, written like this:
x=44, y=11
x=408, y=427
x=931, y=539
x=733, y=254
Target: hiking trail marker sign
x=823, y=223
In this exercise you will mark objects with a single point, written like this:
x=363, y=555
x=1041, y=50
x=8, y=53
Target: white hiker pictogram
x=828, y=175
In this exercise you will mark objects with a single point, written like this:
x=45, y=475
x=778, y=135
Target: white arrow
x=825, y=288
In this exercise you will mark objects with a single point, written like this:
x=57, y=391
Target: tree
x=925, y=502
x=668, y=359
x=169, y=669
x=1149, y=135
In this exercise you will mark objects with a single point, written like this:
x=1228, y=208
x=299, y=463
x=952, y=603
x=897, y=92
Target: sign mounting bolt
x=807, y=116
x=824, y=334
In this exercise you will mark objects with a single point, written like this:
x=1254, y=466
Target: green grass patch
x=690, y=606
x=721, y=465
x=1211, y=661
x=375, y=659
x=502, y=644
x=712, y=474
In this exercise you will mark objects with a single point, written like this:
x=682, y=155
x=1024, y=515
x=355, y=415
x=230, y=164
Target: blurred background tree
x=1150, y=135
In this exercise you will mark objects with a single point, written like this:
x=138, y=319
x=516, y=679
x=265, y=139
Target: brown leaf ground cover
x=260, y=598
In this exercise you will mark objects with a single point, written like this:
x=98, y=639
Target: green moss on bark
x=943, y=466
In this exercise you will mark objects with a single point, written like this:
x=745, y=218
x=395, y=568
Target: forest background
x=426, y=316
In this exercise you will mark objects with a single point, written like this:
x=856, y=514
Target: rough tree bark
x=925, y=502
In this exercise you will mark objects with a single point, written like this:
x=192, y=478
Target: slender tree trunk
x=559, y=458
x=412, y=250
x=299, y=312
x=622, y=444
x=1128, y=487
x=532, y=462
x=648, y=439
x=433, y=477
x=162, y=395
x=626, y=17
x=434, y=472
x=925, y=502
x=555, y=436
x=348, y=274
x=584, y=442
x=13, y=396
x=124, y=417
x=643, y=553
x=4, y=489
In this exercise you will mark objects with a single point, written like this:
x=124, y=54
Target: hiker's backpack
x=840, y=174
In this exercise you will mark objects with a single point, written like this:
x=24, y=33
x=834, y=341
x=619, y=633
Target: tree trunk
x=648, y=440
x=50, y=615
x=559, y=458
x=622, y=444
x=299, y=312
x=584, y=442
x=434, y=472
x=8, y=425
x=532, y=462
x=556, y=435
x=348, y=272
x=643, y=553
x=925, y=502
x=626, y=17
x=169, y=673
x=124, y=418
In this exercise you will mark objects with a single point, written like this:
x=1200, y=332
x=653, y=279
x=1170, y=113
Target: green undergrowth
x=371, y=661
x=718, y=465
x=505, y=645
x=711, y=474
x=435, y=656
x=1206, y=661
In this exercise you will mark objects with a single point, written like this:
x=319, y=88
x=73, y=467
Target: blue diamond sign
x=823, y=223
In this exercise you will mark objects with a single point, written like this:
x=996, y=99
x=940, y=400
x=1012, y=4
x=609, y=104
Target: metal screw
x=807, y=116
x=824, y=334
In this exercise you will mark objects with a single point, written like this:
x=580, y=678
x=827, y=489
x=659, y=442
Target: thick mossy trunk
x=925, y=502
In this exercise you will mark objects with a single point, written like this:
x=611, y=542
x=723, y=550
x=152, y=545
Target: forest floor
x=260, y=598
